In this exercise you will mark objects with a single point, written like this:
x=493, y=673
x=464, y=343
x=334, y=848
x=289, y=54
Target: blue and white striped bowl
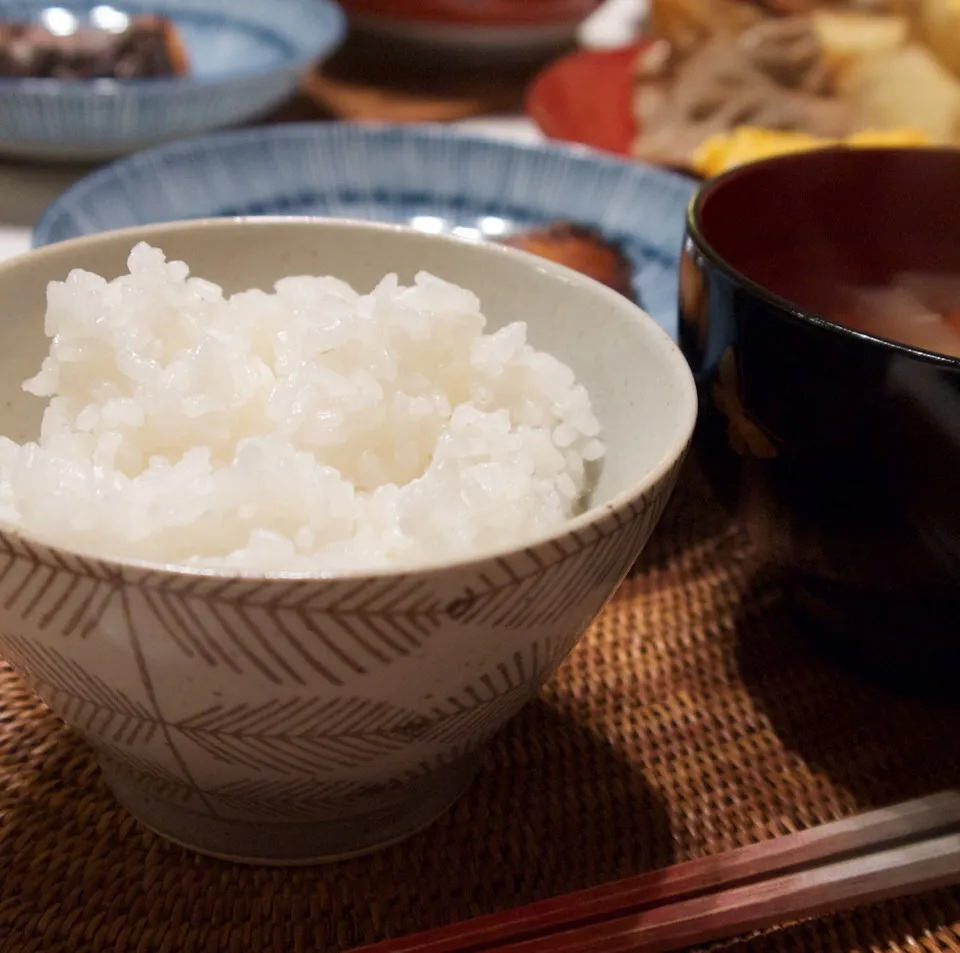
x=246, y=57
x=431, y=177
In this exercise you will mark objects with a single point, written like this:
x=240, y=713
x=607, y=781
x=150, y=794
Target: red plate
x=587, y=98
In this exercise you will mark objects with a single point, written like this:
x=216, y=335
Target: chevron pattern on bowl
x=289, y=717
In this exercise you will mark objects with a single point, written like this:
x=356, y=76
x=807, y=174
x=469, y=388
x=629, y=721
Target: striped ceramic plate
x=433, y=178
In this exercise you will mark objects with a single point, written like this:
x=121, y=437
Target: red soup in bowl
x=820, y=311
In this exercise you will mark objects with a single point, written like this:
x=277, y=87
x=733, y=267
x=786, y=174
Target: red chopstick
x=855, y=856
x=817, y=892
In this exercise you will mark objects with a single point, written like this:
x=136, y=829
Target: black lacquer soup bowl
x=840, y=450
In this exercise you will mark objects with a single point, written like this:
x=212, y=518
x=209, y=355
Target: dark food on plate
x=147, y=48
x=581, y=248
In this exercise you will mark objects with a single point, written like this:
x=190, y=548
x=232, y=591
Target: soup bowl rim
x=790, y=310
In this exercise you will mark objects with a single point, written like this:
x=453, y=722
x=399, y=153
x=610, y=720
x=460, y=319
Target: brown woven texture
x=686, y=723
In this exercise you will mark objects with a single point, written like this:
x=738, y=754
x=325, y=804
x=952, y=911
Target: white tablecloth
x=25, y=190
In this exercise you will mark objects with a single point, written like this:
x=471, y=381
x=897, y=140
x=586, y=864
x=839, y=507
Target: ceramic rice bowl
x=292, y=718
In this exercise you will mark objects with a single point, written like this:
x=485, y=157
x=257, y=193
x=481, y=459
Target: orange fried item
x=582, y=249
x=173, y=46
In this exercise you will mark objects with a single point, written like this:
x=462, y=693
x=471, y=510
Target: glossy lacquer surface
x=841, y=451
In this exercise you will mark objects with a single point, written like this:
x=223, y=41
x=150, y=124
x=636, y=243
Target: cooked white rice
x=314, y=428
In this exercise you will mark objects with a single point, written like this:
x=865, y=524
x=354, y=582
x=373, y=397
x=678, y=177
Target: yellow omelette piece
x=749, y=144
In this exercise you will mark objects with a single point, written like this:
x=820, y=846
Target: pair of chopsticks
x=893, y=852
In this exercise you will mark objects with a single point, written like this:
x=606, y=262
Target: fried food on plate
x=725, y=81
x=582, y=249
x=939, y=22
x=906, y=87
x=771, y=75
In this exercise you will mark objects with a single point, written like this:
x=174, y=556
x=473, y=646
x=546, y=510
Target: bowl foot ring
x=283, y=844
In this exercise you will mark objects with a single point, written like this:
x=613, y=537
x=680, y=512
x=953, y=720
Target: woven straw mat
x=687, y=722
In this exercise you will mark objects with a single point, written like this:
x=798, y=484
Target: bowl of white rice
x=295, y=514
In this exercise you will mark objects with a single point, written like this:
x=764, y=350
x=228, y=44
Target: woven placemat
x=688, y=721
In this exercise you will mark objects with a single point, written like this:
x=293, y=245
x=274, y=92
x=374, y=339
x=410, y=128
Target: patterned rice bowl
x=289, y=718
x=246, y=58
